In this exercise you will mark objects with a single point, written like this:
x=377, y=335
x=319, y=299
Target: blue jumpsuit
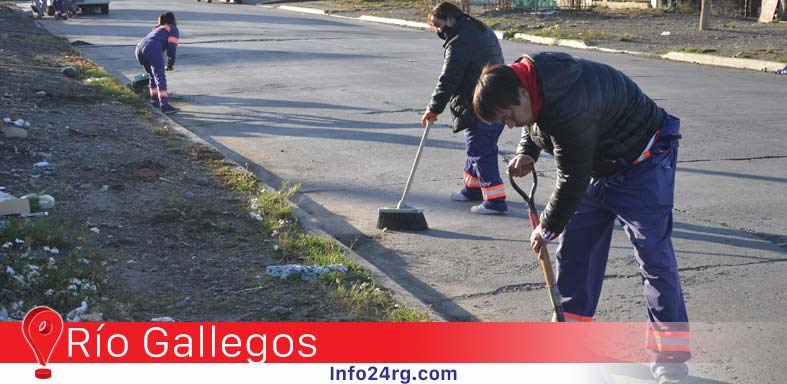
x=482, y=175
x=641, y=198
x=150, y=53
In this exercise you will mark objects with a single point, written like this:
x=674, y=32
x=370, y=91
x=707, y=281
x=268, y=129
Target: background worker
x=469, y=46
x=150, y=53
x=615, y=152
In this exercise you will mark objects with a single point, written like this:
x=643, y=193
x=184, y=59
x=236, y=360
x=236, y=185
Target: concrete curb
x=732, y=62
x=399, y=22
x=697, y=58
x=312, y=11
x=579, y=44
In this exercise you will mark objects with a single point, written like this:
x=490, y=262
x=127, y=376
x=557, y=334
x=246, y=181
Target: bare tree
x=705, y=15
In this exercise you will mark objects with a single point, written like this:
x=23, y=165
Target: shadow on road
x=256, y=123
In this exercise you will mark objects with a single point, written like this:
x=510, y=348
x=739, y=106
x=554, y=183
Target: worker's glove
x=429, y=116
x=170, y=67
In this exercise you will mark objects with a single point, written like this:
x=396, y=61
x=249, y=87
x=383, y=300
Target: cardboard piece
x=10, y=205
x=767, y=10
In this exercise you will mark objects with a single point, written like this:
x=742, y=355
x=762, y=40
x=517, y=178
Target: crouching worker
x=615, y=152
x=150, y=53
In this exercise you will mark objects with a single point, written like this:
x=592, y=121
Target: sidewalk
x=734, y=42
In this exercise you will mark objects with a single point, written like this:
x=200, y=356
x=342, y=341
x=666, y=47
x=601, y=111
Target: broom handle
x=402, y=203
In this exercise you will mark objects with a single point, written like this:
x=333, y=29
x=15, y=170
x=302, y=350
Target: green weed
x=691, y=49
x=44, y=264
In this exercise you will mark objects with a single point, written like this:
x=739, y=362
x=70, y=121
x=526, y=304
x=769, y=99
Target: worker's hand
x=429, y=116
x=536, y=241
x=170, y=67
x=520, y=165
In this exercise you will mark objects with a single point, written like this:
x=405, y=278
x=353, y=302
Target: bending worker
x=615, y=152
x=150, y=54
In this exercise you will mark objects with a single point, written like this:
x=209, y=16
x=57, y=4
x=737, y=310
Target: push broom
x=404, y=216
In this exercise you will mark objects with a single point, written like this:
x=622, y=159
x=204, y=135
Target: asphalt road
x=334, y=104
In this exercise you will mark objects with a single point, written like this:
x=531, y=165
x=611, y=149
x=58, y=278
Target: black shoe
x=168, y=109
x=155, y=104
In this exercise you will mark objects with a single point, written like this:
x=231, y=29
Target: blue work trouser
x=59, y=8
x=153, y=61
x=41, y=5
x=481, y=173
x=641, y=198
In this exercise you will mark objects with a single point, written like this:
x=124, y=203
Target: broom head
x=405, y=218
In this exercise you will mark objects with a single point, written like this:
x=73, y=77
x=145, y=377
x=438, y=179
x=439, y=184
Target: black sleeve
x=454, y=66
x=527, y=146
x=574, y=149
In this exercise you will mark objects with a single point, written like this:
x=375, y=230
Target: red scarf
x=527, y=75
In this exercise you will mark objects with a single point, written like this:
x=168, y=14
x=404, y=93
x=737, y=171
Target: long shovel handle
x=402, y=203
x=549, y=278
x=543, y=254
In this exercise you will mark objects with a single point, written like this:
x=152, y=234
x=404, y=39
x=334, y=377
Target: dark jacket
x=161, y=39
x=468, y=49
x=595, y=120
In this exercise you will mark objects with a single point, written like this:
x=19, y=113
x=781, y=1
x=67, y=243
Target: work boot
x=482, y=210
x=155, y=104
x=669, y=373
x=168, y=109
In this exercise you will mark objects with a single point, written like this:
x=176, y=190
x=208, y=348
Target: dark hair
x=166, y=18
x=497, y=89
x=446, y=10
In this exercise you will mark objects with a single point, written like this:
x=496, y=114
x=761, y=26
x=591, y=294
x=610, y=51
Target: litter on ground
x=306, y=272
x=73, y=316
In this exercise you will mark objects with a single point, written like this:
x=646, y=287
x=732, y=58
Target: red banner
x=335, y=343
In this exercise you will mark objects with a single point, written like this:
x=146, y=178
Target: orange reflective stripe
x=494, y=192
x=642, y=157
x=667, y=341
x=668, y=334
x=570, y=317
x=495, y=196
x=153, y=91
x=646, y=152
x=163, y=93
x=668, y=347
x=172, y=40
x=471, y=181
